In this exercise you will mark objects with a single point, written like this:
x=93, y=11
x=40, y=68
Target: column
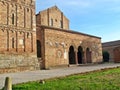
x=84, y=57
x=16, y=41
x=24, y=42
x=7, y=40
x=33, y=43
x=76, y=57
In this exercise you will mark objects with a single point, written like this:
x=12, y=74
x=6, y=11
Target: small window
x=28, y=35
x=13, y=17
x=13, y=46
x=55, y=20
x=27, y=9
x=51, y=22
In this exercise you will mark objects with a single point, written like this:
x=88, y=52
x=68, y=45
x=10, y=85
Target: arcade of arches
x=65, y=47
x=79, y=56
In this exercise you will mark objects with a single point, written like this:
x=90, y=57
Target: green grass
x=100, y=80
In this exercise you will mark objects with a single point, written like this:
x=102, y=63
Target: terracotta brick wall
x=18, y=35
x=54, y=14
x=56, y=54
x=114, y=52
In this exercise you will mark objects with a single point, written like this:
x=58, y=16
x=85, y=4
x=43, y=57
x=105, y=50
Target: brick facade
x=113, y=48
x=61, y=46
x=17, y=36
x=52, y=17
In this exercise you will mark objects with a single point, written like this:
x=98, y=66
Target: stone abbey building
x=23, y=46
x=57, y=45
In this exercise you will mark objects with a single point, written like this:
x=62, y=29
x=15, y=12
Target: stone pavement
x=21, y=77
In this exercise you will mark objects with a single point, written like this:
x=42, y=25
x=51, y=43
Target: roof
x=68, y=31
x=111, y=43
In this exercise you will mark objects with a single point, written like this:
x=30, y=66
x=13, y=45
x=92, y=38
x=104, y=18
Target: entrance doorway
x=71, y=55
x=106, y=56
x=80, y=55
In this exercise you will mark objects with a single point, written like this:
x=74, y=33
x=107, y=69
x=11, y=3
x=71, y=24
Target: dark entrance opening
x=38, y=49
x=71, y=55
x=106, y=56
x=88, y=55
x=80, y=55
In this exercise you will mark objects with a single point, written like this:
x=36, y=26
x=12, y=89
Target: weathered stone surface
x=17, y=36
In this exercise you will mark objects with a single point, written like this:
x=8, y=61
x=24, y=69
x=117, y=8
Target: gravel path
x=21, y=77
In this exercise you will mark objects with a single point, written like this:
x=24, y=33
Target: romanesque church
x=42, y=41
x=57, y=45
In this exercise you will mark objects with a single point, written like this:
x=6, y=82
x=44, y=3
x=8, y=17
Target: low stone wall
x=16, y=63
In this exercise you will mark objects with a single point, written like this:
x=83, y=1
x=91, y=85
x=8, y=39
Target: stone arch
x=116, y=53
x=80, y=55
x=71, y=55
x=88, y=55
x=39, y=49
x=106, y=56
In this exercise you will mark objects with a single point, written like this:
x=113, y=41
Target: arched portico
x=80, y=55
x=72, y=55
x=88, y=56
x=106, y=56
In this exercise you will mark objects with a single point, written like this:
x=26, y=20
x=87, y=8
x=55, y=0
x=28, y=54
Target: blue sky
x=95, y=17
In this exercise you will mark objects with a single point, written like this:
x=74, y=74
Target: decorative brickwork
x=17, y=35
x=52, y=17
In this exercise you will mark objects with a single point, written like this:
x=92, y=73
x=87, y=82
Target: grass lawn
x=100, y=80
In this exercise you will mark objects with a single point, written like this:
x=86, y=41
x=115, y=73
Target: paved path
x=46, y=74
